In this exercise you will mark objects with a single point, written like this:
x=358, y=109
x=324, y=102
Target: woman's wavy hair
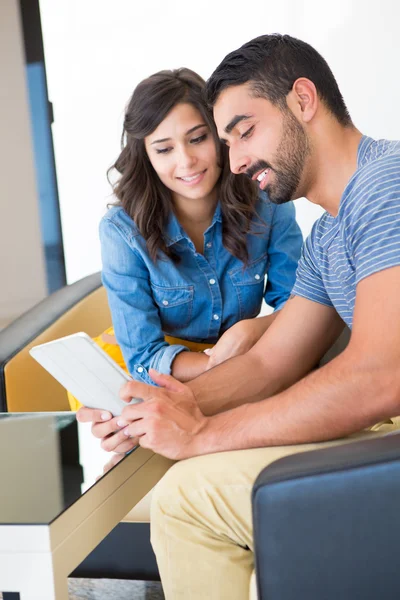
x=138, y=188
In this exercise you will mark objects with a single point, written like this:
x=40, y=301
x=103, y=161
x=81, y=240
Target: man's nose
x=239, y=162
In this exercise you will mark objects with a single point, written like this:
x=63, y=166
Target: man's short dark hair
x=271, y=64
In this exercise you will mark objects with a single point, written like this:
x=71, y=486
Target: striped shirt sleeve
x=309, y=283
x=373, y=226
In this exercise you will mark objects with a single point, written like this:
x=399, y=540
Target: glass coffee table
x=56, y=505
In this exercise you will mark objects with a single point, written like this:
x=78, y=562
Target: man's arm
x=299, y=336
x=293, y=344
x=357, y=389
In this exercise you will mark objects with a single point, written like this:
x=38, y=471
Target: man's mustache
x=260, y=165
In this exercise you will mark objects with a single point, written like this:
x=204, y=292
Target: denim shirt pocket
x=249, y=286
x=175, y=305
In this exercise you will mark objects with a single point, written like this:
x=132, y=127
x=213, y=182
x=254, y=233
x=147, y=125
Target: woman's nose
x=187, y=158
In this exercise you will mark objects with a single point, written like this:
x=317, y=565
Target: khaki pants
x=201, y=523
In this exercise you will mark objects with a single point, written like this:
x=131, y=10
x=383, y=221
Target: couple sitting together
x=202, y=230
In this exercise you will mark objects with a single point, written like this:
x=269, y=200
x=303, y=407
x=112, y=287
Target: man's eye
x=247, y=133
x=163, y=150
x=199, y=139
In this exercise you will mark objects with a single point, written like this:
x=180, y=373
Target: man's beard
x=289, y=161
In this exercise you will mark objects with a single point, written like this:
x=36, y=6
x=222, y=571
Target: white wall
x=22, y=270
x=97, y=51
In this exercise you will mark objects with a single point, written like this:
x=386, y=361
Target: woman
x=186, y=248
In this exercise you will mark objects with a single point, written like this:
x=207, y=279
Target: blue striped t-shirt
x=362, y=239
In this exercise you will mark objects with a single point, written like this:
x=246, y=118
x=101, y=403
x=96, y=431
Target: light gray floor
x=104, y=589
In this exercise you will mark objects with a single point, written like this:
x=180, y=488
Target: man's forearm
x=264, y=322
x=236, y=381
x=330, y=403
x=289, y=349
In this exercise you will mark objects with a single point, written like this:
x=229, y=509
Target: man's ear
x=303, y=99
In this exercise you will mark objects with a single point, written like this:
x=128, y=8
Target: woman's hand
x=106, y=428
x=238, y=339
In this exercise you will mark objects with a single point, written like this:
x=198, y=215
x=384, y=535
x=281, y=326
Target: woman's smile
x=193, y=179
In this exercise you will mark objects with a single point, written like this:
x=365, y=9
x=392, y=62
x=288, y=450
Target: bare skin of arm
x=284, y=354
x=294, y=343
x=188, y=365
x=357, y=389
x=238, y=339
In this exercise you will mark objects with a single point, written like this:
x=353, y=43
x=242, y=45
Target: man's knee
x=168, y=491
x=226, y=472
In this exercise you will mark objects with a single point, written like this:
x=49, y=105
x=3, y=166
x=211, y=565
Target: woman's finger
x=92, y=415
x=118, y=442
x=102, y=430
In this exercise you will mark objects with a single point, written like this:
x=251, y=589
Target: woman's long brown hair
x=139, y=190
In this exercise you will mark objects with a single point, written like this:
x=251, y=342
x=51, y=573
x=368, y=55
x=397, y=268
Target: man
x=278, y=108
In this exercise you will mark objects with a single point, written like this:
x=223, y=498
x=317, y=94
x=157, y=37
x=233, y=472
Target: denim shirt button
x=212, y=281
x=209, y=244
x=257, y=276
x=140, y=369
x=165, y=302
x=215, y=317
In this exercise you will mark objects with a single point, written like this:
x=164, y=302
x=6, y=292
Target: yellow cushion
x=29, y=387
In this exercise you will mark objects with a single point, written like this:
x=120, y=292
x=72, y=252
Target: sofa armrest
x=326, y=523
x=29, y=325
x=24, y=385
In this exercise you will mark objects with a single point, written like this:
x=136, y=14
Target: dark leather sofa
x=326, y=523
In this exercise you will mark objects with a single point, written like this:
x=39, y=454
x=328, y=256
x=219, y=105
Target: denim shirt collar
x=174, y=232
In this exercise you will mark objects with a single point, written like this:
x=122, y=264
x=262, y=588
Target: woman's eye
x=247, y=133
x=163, y=150
x=199, y=139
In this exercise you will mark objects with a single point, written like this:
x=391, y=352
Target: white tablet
x=85, y=370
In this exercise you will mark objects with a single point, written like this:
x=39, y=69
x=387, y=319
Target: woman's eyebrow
x=189, y=131
x=195, y=127
x=159, y=141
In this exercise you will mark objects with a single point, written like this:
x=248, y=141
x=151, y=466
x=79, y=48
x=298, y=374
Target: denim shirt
x=200, y=297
